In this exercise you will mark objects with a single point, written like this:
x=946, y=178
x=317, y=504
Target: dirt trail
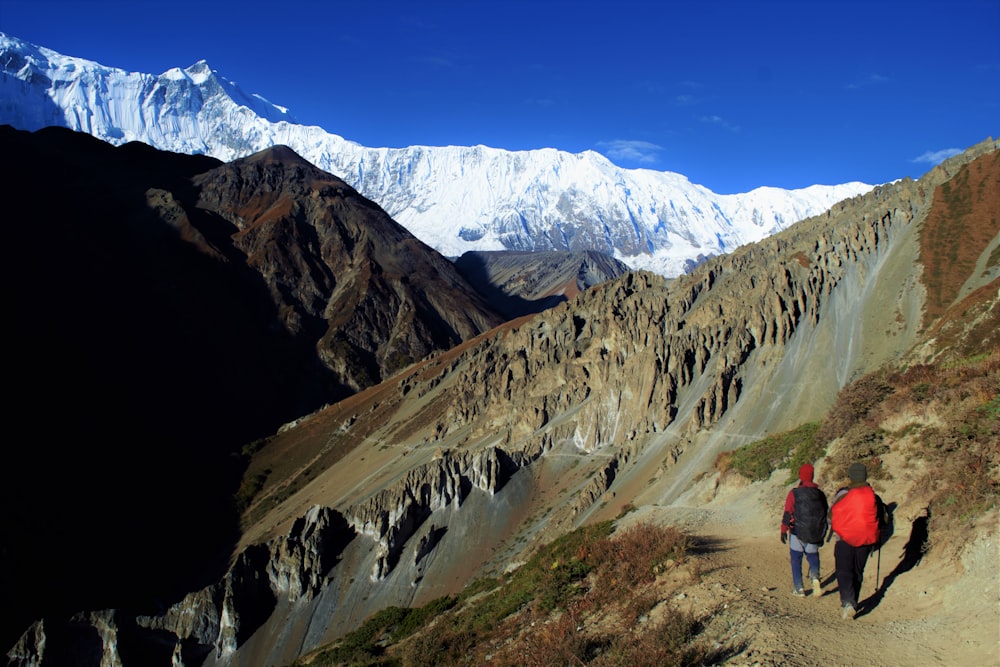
x=928, y=611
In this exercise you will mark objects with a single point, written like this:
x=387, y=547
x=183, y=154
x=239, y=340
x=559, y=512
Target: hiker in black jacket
x=803, y=526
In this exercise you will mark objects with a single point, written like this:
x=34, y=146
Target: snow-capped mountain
x=454, y=198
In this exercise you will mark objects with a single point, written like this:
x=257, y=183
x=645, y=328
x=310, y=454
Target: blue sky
x=732, y=94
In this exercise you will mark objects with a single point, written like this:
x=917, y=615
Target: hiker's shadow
x=913, y=553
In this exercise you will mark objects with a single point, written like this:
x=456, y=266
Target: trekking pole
x=878, y=569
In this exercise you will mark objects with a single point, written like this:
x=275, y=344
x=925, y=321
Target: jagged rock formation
x=391, y=516
x=464, y=461
x=218, y=619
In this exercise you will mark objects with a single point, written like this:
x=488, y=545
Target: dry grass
x=949, y=414
x=635, y=555
x=576, y=602
x=959, y=227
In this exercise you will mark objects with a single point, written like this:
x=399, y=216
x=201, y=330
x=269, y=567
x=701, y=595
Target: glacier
x=453, y=198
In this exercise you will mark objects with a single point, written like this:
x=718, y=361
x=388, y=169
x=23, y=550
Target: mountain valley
x=457, y=466
x=296, y=401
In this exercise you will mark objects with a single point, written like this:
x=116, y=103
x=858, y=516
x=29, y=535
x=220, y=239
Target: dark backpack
x=810, y=514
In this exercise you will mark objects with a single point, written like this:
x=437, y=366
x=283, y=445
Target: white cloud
x=644, y=152
x=936, y=157
x=721, y=122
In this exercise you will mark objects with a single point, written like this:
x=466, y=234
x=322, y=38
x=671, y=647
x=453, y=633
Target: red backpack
x=855, y=517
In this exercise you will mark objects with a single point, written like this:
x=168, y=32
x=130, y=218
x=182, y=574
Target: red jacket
x=855, y=516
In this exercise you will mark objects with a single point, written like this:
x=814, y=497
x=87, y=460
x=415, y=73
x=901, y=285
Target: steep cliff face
x=464, y=462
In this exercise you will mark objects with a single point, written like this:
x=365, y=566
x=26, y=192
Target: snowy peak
x=41, y=87
x=199, y=72
x=456, y=199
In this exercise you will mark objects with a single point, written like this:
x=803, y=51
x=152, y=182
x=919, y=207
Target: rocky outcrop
x=215, y=620
x=290, y=568
x=598, y=486
x=392, y=516
x=83, y=638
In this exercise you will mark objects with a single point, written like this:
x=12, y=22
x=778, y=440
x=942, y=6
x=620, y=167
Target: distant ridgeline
x=456, y=198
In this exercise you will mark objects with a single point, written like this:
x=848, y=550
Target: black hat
x=857, y=473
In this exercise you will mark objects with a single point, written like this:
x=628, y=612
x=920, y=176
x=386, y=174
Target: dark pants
x=850, y=570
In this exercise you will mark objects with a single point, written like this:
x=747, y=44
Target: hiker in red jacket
x=803, y=526
x=854, y=518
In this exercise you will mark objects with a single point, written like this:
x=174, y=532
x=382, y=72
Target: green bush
x=249, y=488
x=757, y=460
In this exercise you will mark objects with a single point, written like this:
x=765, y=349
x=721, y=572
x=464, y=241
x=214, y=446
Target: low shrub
x=249, y=488
x=633, y=556
x=667, y=643
x=855, y=404
x=757, y=460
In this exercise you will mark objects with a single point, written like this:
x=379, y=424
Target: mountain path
x=928, y=610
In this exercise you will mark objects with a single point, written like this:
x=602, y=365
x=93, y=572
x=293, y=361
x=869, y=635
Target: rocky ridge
x=648, y=363
x=339, y=269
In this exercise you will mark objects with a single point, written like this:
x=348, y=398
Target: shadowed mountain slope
x=523, y=283
x=463, y=463
x=374, y=298
x=166, y=310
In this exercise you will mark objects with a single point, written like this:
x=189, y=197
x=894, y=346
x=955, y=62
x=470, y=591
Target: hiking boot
x=817, y=588
x=798, y=592
x=847, y=612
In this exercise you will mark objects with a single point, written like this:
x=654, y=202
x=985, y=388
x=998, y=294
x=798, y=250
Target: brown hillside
x=959, y=229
